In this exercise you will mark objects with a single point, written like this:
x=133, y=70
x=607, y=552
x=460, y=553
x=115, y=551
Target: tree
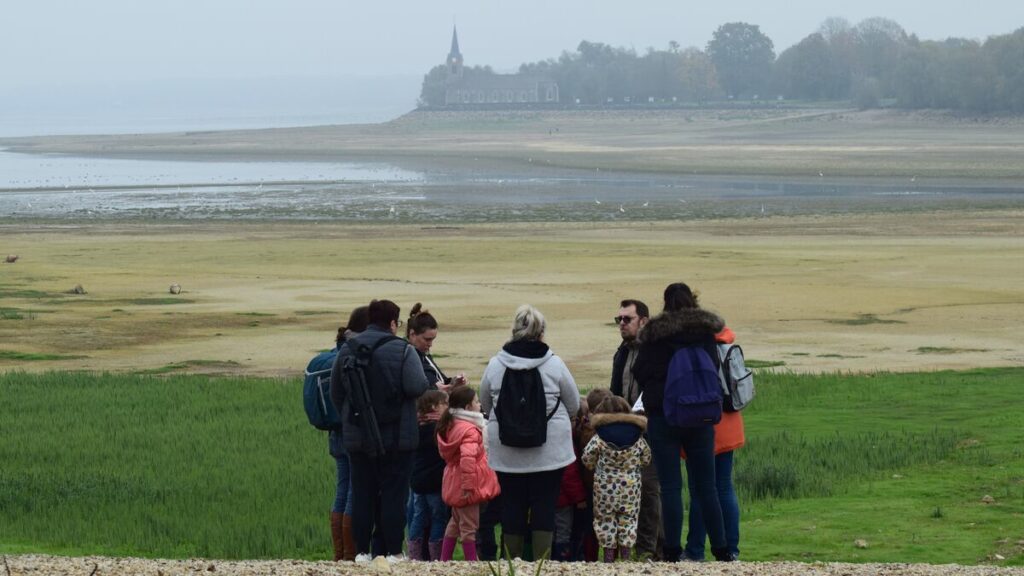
x=879, y=44
x=742, y=56
x=434, y=86
x=697, y=76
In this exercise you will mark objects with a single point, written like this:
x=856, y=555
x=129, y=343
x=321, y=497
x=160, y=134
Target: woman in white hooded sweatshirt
x=530, y=478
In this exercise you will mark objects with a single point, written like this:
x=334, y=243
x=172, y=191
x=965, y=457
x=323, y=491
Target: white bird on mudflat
x=647, y=204
x=621, y=209
x=391, y=211
x=596, y=201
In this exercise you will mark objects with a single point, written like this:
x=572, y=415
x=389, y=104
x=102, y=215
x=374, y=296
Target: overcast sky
x=47, y=41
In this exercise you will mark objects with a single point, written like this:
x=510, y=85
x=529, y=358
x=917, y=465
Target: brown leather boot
x=336, y=536
x=347, y=538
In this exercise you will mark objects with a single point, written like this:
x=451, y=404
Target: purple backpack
x=693, y=391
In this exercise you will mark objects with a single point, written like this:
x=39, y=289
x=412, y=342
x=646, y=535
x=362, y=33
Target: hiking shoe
x=396, y=558
x=363, y=558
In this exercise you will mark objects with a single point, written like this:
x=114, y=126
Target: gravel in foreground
x=18, y=565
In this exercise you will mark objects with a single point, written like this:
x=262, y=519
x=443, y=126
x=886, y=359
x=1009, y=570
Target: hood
x=619, y=430
x=448, y=444
x=523, y=355
x=726, y=336
x=688, y=321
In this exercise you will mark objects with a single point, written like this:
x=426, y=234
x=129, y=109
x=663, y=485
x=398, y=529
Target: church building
x=495, y=90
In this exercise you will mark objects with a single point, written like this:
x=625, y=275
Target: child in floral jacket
x=468, y=480
x=617, y=453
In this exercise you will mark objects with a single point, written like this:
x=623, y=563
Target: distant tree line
x=871, y=64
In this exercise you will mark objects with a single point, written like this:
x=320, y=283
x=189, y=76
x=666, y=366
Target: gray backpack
x=737, y=380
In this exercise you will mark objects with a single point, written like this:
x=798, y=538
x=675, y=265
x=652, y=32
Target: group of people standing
x=604, y=478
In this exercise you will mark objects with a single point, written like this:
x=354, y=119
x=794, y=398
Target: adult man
x=381, y=467
x=633, y=315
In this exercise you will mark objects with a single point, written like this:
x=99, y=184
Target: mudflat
x=857, y=292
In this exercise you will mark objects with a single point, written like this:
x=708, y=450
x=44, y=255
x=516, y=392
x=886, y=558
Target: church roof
x=455, y=43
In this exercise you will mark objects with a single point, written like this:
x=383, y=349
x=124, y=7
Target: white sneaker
x=363, y=558
x=396, y=558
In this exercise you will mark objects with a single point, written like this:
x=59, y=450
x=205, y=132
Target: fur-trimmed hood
x=619, y=430
x=691, y=322
x=598, y=420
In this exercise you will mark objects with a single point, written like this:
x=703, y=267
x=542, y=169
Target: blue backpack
x=316, y=392
x=693, y=391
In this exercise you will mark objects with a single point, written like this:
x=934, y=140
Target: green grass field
x=185, y=466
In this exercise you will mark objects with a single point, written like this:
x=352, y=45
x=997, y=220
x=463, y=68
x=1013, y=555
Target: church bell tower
x=454, y=58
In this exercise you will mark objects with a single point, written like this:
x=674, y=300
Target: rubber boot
x=513, y=546
x=434, y=547
x=542, y=544
x=337, y=536
x=415, y=549
x=469, y=550
x=624, y=553
x=447, y=549
x=673, y=553
x=609, y=555
x=347, y=538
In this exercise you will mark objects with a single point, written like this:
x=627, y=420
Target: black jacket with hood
x=659, y=340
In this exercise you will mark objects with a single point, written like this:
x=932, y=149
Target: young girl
x=468, y=480
x=617, y=453
x=428, y=508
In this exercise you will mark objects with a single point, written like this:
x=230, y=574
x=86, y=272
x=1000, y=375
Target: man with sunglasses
x=633, y=315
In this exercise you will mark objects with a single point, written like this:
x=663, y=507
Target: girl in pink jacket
x=468, y=480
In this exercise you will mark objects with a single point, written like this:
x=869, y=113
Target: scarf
x=474, y=418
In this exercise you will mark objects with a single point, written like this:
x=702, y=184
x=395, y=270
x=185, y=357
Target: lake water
x=60, y=187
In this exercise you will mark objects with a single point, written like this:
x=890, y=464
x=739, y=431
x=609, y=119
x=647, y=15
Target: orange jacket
x=467, y=479
x=729, y=431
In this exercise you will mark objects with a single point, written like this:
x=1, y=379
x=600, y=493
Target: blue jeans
x=696, y=533
x=699, y=443
x=428, y=508
x=343, y=488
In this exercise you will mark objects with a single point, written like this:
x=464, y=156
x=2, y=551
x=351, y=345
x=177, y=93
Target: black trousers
x=529, y=498
x=380, y=489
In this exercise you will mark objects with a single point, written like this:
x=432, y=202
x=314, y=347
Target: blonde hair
x=528, y=323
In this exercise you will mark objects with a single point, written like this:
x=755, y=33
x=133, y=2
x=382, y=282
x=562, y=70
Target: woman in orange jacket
x=468, y=480
x=728, y=437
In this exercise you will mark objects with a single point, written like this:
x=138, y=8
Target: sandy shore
x=101, y=566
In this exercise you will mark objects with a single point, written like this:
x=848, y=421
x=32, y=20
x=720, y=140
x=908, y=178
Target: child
x=428, y=507
x=468, y=480
x=572, y=496
x=617, y=453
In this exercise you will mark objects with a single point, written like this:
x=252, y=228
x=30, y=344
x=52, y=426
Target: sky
x=54, y=42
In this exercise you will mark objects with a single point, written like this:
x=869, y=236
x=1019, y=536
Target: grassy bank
x=778, y=142
x=183, y=466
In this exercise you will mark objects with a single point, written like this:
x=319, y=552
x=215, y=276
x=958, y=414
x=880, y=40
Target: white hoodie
x=558, y=451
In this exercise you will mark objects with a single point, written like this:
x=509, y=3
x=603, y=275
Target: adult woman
x=341, y=511
x=729, y=436
x=421, y=331
x=530, y=477
x=682, y=323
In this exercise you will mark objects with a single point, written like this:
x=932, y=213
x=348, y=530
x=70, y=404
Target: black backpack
x=369, y=405
x=522, y=409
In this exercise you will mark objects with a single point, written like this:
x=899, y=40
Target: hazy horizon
x=120, y=65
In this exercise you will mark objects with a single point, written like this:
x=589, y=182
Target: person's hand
x=444, y=387
x=459, y=380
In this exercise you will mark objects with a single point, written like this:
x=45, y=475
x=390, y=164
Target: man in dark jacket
x=395, y=380
x=633, y=315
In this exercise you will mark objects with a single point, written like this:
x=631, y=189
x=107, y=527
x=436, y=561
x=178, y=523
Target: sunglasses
x=626, y=319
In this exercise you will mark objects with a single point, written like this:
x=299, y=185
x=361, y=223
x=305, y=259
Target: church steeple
x=455, y=56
